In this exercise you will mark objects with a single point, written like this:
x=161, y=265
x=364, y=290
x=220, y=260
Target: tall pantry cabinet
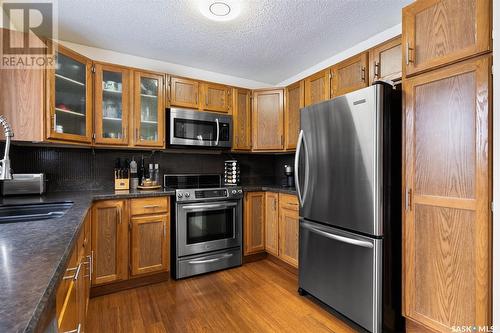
x=447, y=165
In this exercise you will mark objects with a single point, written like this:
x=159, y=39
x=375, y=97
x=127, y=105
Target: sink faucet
x=5, y=172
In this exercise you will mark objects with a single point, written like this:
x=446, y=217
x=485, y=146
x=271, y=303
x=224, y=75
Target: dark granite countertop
x=270, y=188
x=33, y=255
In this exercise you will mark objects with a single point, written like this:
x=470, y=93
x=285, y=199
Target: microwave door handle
x=218, y=129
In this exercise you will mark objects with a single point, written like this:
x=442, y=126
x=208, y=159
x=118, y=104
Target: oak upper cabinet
x=242, y=119
x=447, y=221
x=267, y=120
x=317, y=87
x=350, y=75
x=294, y=101
x=254, y=237
x=184, y=92
x=112, y=98
x=23, y=110
x=149, y=109
x=289, y=229
x=271, y=223
x=216, y=97
x=69, y=98
x=385, y=61
x=109, y=241
x=439, y=32
x=149, y=244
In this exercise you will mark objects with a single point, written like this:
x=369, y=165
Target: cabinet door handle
x=408, y=195
x=376, y=69
x=363, y=70
x=408, y=50
x=119, y=215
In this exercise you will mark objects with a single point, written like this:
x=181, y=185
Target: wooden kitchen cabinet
x=113, y=102
x=386, y=61
x=69, y=98
x=289, y=229
x=447, y=221
x=242, y=119
x=294, y=101
x=271, y=223
x=317, y=87
x=267, y=120
x=149, y=244
x=149, y=109
x=253, y=223
x=440, y=32
x=216, y=97
x=72, y=294
x=23, y=111
x=109, y=241
x=184, y=92
x=350, y=75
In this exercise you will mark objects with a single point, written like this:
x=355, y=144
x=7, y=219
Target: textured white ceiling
x=269, y=42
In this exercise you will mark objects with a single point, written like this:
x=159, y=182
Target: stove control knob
x=233, y=192
x=187, y=194
x=179, y=195
x=240, y=191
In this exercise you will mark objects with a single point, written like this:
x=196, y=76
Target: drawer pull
x=77, y=330
x=151, y=206
x=75, y=276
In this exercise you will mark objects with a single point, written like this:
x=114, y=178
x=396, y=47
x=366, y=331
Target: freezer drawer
x=343, y=270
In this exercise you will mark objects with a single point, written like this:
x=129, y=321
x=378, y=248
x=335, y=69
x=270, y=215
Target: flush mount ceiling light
x=220, y=10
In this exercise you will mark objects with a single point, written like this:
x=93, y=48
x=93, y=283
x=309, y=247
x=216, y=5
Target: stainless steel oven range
x=207, y=227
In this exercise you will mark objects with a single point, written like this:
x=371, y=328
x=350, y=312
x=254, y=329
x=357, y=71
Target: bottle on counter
x=157, y=174
x=134, y=180
x=142, y=172
x=151, y=172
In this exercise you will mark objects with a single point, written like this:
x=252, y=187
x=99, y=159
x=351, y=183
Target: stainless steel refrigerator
x=348, y=178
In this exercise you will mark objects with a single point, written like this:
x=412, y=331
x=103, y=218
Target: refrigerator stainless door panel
x=344, y=159
x=343, y=270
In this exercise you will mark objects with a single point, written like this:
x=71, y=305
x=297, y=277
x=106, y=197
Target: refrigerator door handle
x=301, y=140
x=339, y=238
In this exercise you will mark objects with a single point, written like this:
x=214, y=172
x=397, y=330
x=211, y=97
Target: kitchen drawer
x=213, y=261
x=149, y=205
x=289, y=201
x=65, y=283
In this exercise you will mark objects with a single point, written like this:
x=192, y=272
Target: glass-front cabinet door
x=70, y=98
x=112, y=104
x=149, y=110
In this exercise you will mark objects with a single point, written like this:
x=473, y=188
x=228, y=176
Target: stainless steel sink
x=33, y=212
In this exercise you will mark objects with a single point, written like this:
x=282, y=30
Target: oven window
x=195, y=129
x=209, y=225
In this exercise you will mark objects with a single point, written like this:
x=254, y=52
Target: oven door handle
x=217, y=206
x=206, y=261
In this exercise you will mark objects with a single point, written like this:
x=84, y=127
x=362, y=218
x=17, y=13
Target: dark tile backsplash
x=279, y=167
x=74, y=169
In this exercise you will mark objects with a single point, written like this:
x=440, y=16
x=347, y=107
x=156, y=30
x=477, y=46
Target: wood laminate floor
x=257, y=297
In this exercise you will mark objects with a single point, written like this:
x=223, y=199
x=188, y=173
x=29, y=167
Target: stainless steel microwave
x=194, y=128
